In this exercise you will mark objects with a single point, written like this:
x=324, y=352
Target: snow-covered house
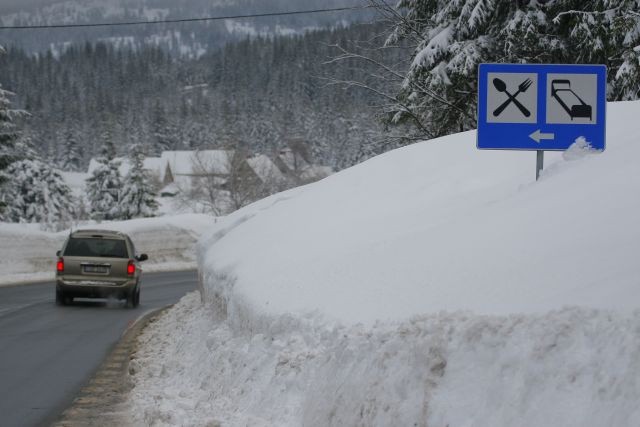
x=185, y=171
x=316, y=173
x=198, y=163
x=217, y=165
x=188, y=169
x=296, y=165
x=265, y=169
x=290, y=161
x=160, y=168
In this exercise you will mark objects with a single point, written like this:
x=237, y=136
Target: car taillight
x=131, y=268
x=60, y=265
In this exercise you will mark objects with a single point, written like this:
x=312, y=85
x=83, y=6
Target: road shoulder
x=99, y=403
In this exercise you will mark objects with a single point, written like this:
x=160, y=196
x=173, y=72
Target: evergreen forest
x=256, y=94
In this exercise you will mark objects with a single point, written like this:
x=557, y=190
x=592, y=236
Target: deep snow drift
x=433, y=285
x=28, y=253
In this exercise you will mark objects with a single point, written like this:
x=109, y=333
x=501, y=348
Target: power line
x=172, y=21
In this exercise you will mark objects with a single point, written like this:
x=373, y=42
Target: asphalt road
x=47, y=353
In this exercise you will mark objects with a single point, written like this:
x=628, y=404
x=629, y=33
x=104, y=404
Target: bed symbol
x=569, y=100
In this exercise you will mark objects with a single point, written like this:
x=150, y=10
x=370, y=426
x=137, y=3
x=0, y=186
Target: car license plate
x=101, y=269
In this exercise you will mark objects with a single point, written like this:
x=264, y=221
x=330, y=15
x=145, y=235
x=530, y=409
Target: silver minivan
x=98, y=264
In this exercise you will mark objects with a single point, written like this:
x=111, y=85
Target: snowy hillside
x=432, y=285
x=441, y=225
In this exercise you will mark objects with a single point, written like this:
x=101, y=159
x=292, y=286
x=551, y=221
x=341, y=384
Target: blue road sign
x=541, y=106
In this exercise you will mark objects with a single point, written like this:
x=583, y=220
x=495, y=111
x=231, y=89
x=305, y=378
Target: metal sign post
x=539, y=163
x=540, y=107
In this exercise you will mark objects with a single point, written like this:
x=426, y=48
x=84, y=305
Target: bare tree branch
x=350, y=55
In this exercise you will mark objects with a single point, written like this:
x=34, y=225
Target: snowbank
x=28, y=254
x=432, y=285
x=442, y=226
x=572, y=368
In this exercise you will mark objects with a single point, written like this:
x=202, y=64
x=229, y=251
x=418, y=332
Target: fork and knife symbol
x=501, y=86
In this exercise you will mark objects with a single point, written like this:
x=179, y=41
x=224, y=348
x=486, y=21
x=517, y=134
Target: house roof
x=316, y=172
x=265, y=169
x=200, y=162
x=292, y=160
x=154, y=164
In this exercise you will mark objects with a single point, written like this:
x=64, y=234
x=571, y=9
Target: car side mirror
x=142, y=257
x=58, y=253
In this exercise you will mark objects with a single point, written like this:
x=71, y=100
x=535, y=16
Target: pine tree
x=163, y=132
x=8, y=134
x=452, y=37
x=71, y=156
x=8, y=140
x=138, y=196
x=104, y=185
x=603, y=32
x=38, y=193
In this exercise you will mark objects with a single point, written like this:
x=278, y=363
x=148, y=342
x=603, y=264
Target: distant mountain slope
x=190, y=39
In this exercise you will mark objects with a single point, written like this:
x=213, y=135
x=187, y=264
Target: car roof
x=109, y=234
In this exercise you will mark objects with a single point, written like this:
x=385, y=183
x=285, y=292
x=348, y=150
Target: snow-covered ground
x=434, y=285
x=28, y=254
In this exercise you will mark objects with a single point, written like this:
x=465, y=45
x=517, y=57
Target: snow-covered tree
x=108, y=148
x=104, y=185
x=164, y=133
x=138, y=196
x=71, y=152
x=452, y=37
x=603, y=32
x=8, y=140
x=8, y=134
x=38, y=193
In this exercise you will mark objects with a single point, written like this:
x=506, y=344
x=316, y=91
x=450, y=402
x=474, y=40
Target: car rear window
x=96, y=247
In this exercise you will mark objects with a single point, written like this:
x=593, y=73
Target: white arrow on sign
x=537, y=136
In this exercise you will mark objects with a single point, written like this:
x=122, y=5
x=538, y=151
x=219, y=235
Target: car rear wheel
x=133, y=299
x=62, y=299
x=136, y=300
